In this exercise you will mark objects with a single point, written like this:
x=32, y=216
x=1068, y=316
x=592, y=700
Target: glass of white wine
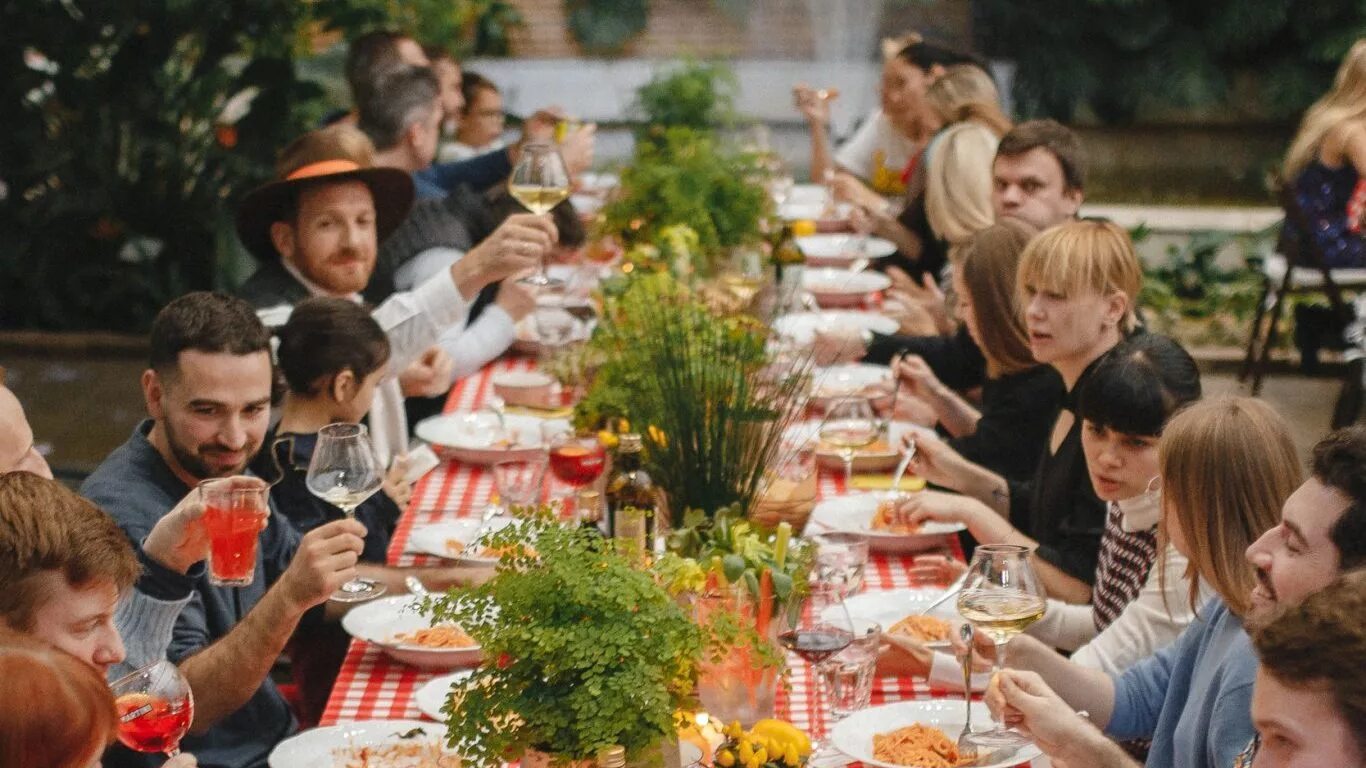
x=539, y=182
x=1001, y=597
x=743, y=273
x=849, y=425
x=344, y=472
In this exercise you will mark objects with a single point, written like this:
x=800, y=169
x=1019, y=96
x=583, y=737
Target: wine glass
x=822, y=629
x=554, y=324
x=849, y=424
x=743, y=273
x=1001, y=597
x=155, y=708
x=539, y=182
x=344, y=472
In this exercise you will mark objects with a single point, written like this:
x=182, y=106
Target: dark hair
x=404, y=97
x=470, y=85
x=205, y=322
x=370, y=58
x=1339, y=462
x=1308, y=644
x=1053, y=136
x=1139, y=384
x=926, y=56
x=437, y=53
x=325, y=336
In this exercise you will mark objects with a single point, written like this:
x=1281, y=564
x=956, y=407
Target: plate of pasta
x=916, y=734
x=367, y=744
x=460, y=540
x=868, y=514
x=394, y=624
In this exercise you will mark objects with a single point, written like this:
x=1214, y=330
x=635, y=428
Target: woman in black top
x=1077, y=284
x=1008, y=434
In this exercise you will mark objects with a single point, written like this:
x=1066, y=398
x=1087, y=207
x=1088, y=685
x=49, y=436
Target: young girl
x=1077, y=282
x=1008, y=433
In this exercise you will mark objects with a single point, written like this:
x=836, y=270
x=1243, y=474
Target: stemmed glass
x=850, y=424
x=1001, y=597
x=155, y=707
x=576, y=459
x=344, y=472
x=743, y=274
x=539, y=182
x=822, y=629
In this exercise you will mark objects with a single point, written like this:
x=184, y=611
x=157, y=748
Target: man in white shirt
x=316, y=230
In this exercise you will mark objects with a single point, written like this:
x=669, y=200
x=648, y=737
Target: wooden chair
x=1297, y=268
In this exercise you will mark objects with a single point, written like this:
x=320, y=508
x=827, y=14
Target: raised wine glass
x=849, y=425
x=822, y=629
x=344, y=472
x=539, y=182
x=1001, y=597
x=155, y=708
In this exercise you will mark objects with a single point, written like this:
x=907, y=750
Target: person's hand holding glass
x=1001, y=597
x=344, y=472
x=539, y=182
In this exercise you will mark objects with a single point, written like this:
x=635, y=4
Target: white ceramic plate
x=890, y=606
x=853, y=513
x=474, y=437
x=807, y=193
x=834, y=287
x=379, y=620
x=844, y=380
x=838, y=249
x=323, y=747
x=854, y=734
x=435, y=539
x=871, y=459
x=431, y=697
x=801, y=327
x=813, y=209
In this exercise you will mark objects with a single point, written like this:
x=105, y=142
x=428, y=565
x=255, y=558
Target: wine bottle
x=588, y=510
x=632, y=498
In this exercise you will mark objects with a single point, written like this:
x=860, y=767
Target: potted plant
x=583, y=651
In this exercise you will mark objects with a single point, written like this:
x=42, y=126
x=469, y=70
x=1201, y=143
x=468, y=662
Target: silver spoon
x=966, y=748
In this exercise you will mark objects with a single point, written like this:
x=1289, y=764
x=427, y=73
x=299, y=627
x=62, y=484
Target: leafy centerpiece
x=583, y=651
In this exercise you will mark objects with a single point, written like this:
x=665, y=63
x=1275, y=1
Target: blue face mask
x=1142, y=512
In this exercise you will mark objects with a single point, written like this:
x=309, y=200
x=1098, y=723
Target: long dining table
x=373, y=686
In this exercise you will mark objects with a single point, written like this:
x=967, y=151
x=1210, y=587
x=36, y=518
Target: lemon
x=784, y=733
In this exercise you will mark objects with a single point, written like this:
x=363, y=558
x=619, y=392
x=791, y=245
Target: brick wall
x=775, y=29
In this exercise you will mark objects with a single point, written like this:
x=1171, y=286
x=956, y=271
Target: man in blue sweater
x=1197, y=712
x=208, y=391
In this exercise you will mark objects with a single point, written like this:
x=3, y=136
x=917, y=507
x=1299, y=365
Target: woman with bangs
x=1077, y=283
x=1009, y=431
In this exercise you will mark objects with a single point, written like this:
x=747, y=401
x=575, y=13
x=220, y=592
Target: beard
x=192, y=460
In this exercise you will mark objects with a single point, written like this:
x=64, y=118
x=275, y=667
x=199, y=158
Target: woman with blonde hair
x=1008, y=433
x=1326, y=163
x=1077, y=284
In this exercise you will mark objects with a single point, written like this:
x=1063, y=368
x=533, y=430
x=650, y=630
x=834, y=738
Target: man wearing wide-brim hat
x=316, y=230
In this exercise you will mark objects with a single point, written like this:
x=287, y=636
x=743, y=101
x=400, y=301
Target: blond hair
x=966, y=92
x=1345, y=101
x=1084, y=256
x=1227, y=466
x=958, y=181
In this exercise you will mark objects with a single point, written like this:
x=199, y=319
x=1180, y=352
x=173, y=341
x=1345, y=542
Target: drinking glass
x=1001, y=597
x=576, y=458
x=155, y=708
x=344, y=472
x=822, y=629
x=518, y=481
x=849, y=425
x=539, y=182
x=849, y=676
x=235, y=509
x=841, y=559
x=743, y=273
x=554, y=324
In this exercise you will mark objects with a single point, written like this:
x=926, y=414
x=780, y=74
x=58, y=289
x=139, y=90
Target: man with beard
x=1322, y=533
x=208, y=391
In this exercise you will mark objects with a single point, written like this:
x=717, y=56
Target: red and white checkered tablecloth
x=373, y=686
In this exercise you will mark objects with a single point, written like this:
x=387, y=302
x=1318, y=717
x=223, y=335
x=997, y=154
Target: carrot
x=765, y=614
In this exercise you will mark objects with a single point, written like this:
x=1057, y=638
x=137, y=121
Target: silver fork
x=966, y=748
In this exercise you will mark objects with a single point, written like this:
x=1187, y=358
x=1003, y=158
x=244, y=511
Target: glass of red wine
x=155, y=708
x=822, y=629
x=576, y=458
